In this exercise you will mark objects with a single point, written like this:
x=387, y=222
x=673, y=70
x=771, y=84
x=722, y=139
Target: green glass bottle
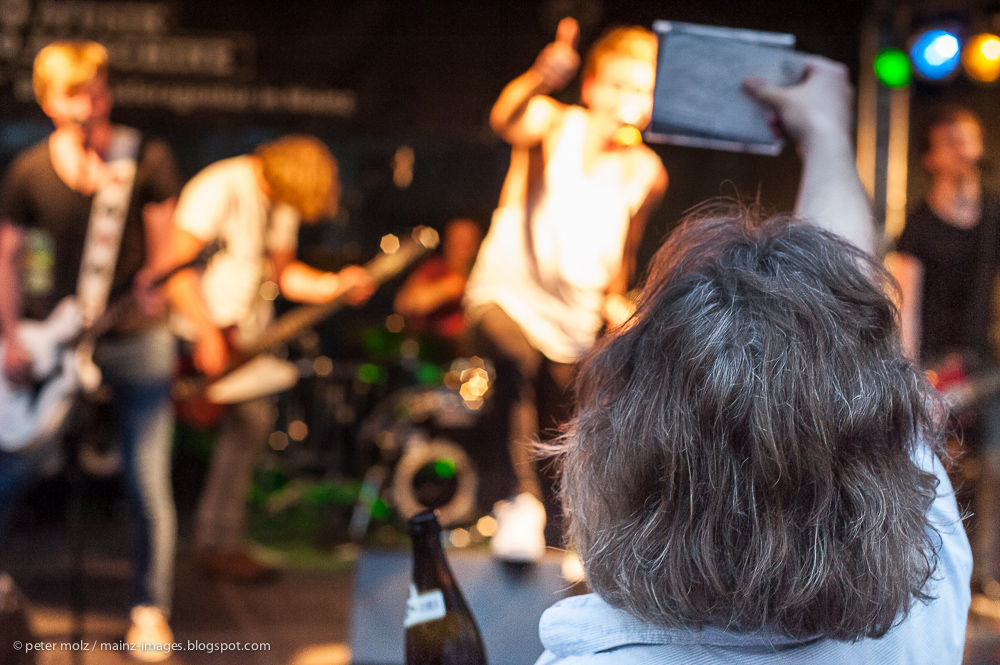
x=440, y=629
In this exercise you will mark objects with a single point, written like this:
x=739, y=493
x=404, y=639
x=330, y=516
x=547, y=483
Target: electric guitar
x=252, y=372
x=960, y=388
x=60, y=347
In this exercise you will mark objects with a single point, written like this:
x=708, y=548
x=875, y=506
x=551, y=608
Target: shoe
x=236, y=565
x=149, y=637
x=520, y=535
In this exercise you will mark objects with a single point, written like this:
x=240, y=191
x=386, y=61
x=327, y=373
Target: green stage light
x=445, y=468
x=892, y=67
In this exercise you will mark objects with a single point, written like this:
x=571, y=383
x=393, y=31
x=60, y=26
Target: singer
x=561, y=248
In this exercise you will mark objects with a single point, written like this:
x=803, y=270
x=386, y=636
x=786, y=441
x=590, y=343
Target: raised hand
x=822, y=102
x=558, y=61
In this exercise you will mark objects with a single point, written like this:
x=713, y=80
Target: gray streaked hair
x=741, y=452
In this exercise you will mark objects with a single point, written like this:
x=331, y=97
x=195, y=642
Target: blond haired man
x=254, y=203
x=45, y=207
x=561, y=248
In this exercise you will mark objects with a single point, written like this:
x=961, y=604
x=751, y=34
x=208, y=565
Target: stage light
x=935, y=54
x=981, y=58
x=892, y=67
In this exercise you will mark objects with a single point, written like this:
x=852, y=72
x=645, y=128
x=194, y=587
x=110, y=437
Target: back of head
x=70, y=64
x=300, y=171
x=741, y=455
x=626, y=42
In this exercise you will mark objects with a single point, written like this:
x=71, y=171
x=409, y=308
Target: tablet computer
x=698, y=99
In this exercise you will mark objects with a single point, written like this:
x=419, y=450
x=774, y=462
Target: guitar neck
x=290, y=325
x=382, y=269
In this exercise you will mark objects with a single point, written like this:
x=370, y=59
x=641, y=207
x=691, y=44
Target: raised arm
x=909, y=272
x=818, y=114
x=523, y=113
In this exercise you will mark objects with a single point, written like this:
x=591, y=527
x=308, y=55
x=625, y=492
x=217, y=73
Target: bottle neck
x=430, y=568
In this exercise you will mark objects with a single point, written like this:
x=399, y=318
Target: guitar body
x=34, y=414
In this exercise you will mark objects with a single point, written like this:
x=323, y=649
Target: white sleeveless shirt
x=549, y=267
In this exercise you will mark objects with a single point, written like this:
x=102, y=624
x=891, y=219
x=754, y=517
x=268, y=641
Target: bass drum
x=444, y=465
x=419, y=437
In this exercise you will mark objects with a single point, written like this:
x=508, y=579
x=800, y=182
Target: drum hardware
x=412, y=434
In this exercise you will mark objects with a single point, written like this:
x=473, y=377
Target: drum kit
x=406, y=437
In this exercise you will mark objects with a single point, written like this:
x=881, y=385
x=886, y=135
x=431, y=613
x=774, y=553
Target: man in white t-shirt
x=253, y=203
x=561, y=247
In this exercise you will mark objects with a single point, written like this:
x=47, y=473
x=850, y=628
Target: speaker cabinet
x=506, y=599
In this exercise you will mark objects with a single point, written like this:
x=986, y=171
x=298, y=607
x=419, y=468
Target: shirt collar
x=587, y=624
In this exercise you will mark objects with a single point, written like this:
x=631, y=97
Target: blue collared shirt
x=585, y=630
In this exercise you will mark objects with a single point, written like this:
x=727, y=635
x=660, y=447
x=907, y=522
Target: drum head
x=453, y=462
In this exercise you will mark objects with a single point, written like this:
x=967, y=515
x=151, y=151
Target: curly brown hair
x=741, y=456
x=300, y=171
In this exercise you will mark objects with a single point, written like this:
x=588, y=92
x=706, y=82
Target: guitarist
x=45, y=208
x=946, y=262
x=253, y=203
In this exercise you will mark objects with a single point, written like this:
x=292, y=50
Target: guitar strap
x=108, y=214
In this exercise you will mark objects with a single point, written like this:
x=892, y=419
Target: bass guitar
x=60, y=348
x=252, y=372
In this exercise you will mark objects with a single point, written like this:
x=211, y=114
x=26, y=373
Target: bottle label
x=424, y=607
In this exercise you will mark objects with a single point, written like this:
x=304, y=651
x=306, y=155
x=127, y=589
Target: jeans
x=138, y=369
x=222, y=509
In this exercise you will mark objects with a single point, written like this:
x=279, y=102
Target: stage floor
x=303, y=615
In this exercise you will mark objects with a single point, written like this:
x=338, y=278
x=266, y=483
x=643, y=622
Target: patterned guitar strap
x=108, y=213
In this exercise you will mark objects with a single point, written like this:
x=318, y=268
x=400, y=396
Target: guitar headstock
x=397, y=256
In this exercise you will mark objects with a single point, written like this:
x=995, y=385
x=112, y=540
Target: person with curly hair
x=254, y=204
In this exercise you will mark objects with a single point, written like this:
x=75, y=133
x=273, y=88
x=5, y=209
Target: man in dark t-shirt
x=958, y=266
x=947, y=261
x=53, y=218
x=45, y=208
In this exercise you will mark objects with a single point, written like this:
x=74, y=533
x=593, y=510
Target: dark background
x=425, y=75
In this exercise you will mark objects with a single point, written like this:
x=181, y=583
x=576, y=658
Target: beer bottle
x=440, y=629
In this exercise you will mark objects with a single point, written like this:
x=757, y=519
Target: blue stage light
x=935, y=54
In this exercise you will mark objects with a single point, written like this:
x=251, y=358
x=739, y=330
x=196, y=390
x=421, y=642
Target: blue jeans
x=138, y=368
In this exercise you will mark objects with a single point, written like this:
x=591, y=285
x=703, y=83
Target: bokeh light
x=981, y=58
x=892, y=67
x=935, y=54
